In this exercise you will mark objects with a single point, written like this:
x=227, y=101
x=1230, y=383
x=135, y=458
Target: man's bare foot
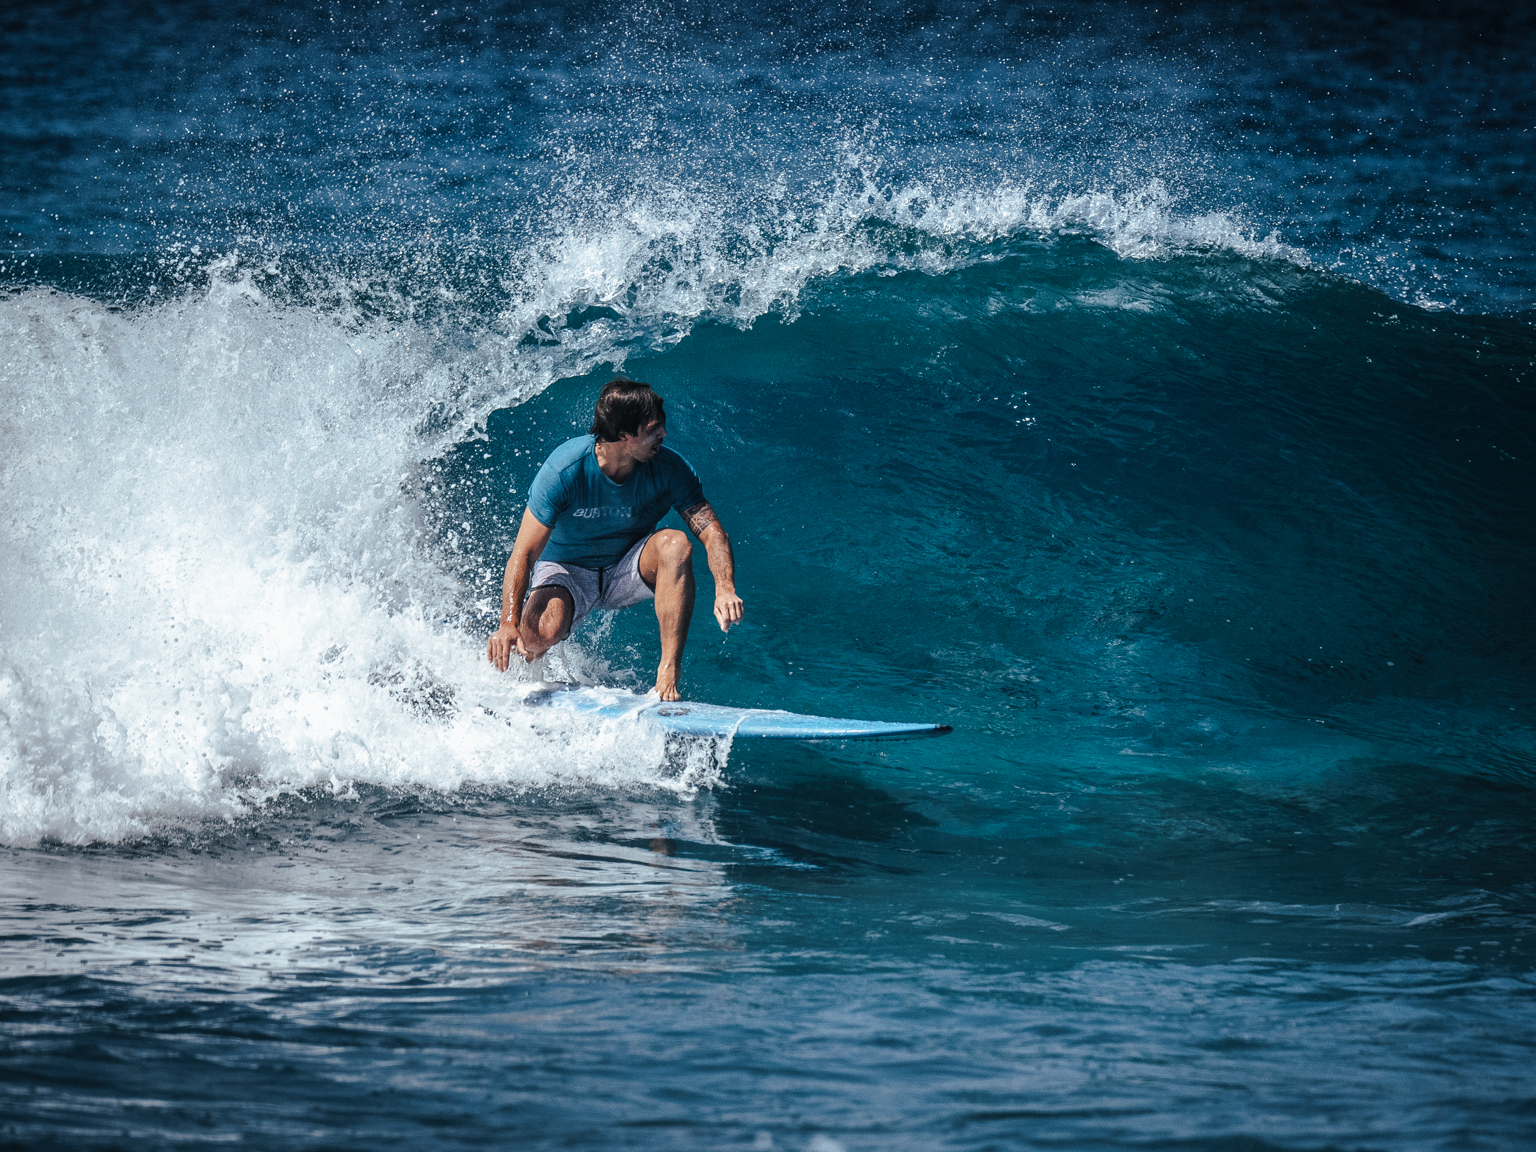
x=666, y=683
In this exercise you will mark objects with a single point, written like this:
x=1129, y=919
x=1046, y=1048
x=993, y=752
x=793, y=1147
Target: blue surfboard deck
x=689, y=718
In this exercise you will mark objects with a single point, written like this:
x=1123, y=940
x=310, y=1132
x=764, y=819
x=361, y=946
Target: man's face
x=645, y=445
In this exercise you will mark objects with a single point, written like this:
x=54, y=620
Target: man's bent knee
x=667, y=554
x=674, y=547
x=548, y=614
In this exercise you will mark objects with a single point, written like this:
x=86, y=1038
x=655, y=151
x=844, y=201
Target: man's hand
x=501, y=645
x=728, y=610
x=722, y=564
x=531, y=538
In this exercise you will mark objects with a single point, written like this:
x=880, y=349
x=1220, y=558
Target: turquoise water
x=1146, y=394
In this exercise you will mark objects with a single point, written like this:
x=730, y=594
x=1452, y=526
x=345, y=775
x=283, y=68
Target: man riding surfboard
x=588, y=537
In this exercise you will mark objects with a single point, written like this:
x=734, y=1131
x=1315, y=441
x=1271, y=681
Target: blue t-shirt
x=596, y=521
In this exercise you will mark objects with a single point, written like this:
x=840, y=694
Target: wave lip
x=643, y=272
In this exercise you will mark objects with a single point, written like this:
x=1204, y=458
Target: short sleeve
x=547, y=498
x=686, y=489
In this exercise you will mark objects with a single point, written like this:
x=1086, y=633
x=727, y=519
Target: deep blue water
x=1146, y=391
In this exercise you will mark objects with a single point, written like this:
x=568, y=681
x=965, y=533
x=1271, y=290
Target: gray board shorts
x=590, y=588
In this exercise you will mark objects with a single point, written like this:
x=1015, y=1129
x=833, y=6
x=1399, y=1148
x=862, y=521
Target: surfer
x=588, y=537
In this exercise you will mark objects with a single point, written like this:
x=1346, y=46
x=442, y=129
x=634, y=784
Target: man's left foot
x=666, y=686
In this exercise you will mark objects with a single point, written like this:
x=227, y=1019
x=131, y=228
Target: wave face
x=1145, y=394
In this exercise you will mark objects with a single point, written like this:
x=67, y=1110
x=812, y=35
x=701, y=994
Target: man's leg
x=546, y=620
x=666, y=566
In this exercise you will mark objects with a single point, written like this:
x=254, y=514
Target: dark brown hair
x=623, y=408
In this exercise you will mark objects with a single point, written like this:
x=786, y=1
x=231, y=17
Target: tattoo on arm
x=700, y=517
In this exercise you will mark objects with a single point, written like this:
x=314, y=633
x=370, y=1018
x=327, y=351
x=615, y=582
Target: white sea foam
x=216, y=583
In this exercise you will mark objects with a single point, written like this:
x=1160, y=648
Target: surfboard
x=689, y=718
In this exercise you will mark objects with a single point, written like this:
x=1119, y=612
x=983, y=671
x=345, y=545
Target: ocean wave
x=220, y=521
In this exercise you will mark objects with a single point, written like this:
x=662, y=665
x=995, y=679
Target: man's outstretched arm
x=531, y=538
x=722, y=564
